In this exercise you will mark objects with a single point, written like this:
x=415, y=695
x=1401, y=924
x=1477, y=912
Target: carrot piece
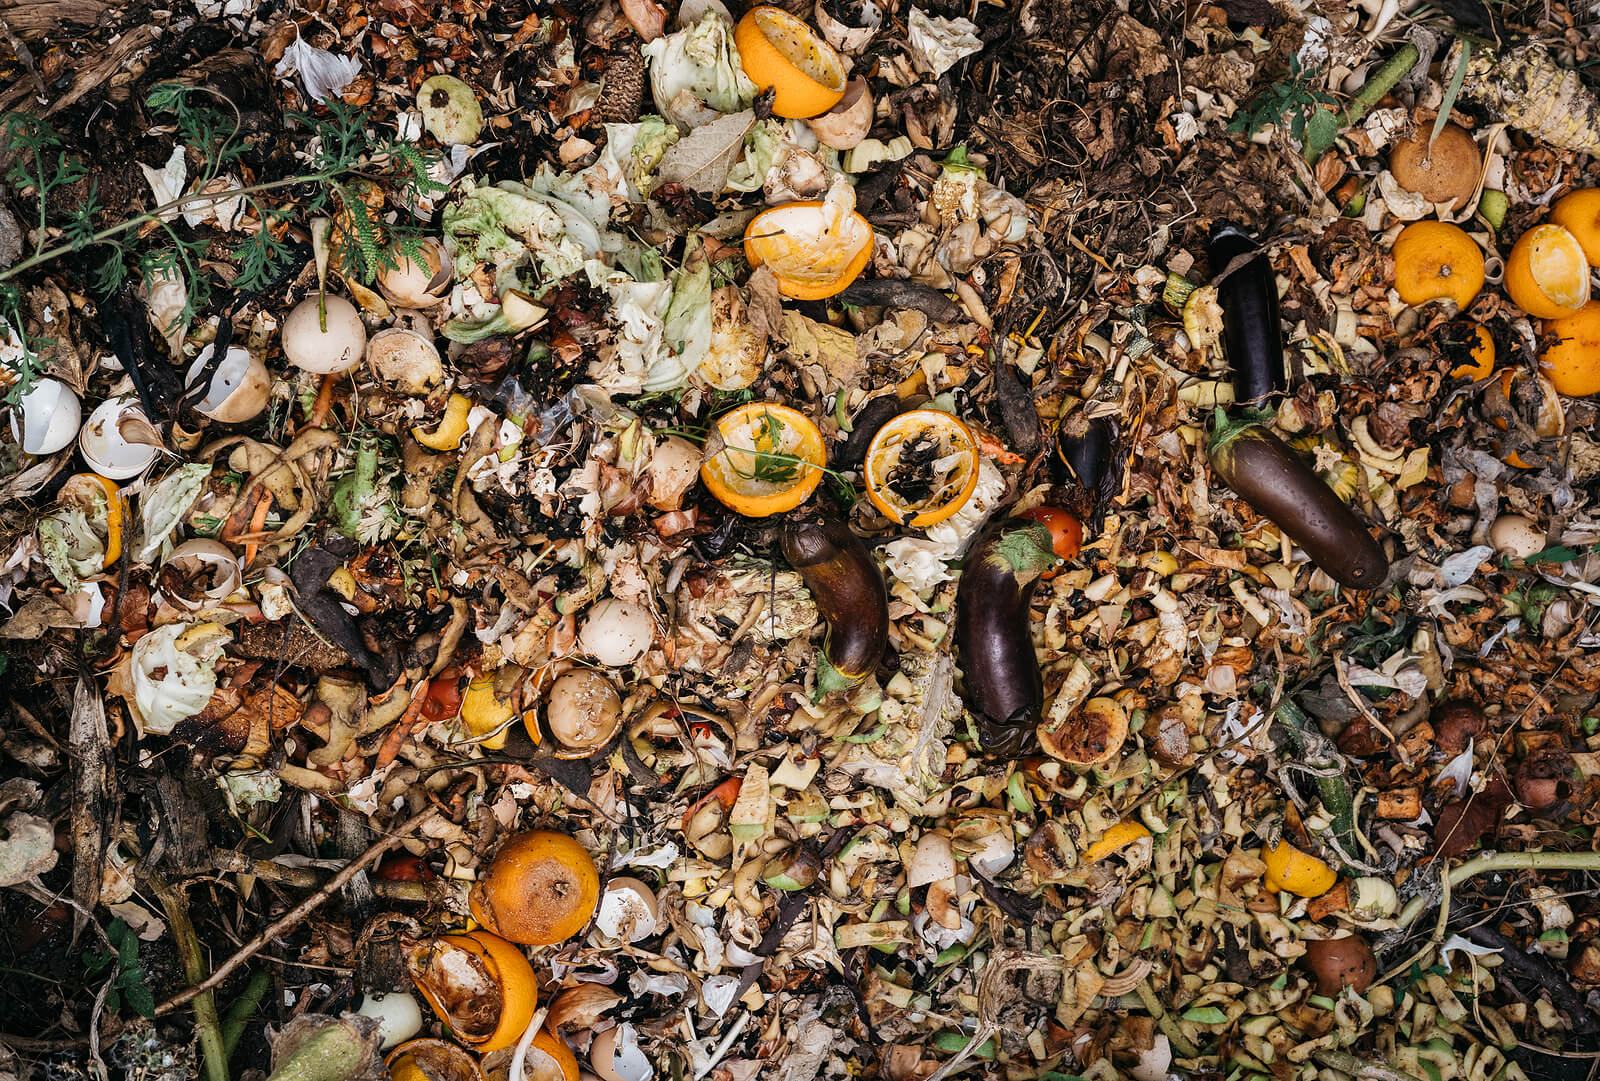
x=319, y=408
x=258, y=522
x=244, y=513
x=401, y=729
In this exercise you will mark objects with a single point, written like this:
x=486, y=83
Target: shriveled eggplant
x=1004, y=689
x=850, y=593
x=1086, y=458
x=1250, y=327
x=1280, y=485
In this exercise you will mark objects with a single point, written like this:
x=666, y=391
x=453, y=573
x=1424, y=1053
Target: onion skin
x=1279, y=484
x=1004, y=689
x=851, y=596
x=1250, y=327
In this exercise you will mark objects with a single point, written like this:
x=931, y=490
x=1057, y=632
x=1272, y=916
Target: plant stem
x=185, y=202
x=1381, y=82
x=1152, y=1004
x=243, y=1007
x=1504, y=861
x=213, y=1052
x=1333, y=791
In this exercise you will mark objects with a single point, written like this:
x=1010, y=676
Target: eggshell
x=628, y=909
x=1516, y=536
x=405, y=358
x=239, y=388
x=308, y=346
x=46, y=418
x=616, y=1056
x=398, y=1014
x=583, y=710
x=105, y=450
x=616, y=632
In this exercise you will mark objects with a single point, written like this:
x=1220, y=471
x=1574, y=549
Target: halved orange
x=1481, y=353
x=1572, y=359
x=549, y=1059
x=479, y=984
x=777, y=49
x=1547, y=273
x=814, y=250
x=432, y=1060
x=540, y=889
x=770, y=460
x=1578, y=212
x=921, y=467
x=1434, y=260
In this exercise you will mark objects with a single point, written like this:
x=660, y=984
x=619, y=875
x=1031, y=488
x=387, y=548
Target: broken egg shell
x=616, y=1055
x=583, y=711
x=616, y=632
x=1153, y=1063
x=450, y=110
x=417, y=285
x=324, y=352
x=104, y=448
x=848, y=39
x=1516, y=536
x=847, y=123
x=239, y=389
x=399, y=1017
x=628, y=910
x=673, y=469
x=210, y=568
x=405, y=359
x=49, y=416
x=933, y=860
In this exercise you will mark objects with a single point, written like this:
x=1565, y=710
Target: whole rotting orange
x=1434, y=260
x=540, y=888
x=1571, y=360
x=1578, y=212
x=1547, y=273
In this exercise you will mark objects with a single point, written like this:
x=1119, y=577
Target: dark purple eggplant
x=851, y=596
x=1004, y=689
x=1086, y=454
x=1278, y=483
x=1250, y=327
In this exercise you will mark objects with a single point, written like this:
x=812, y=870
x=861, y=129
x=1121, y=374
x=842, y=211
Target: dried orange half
x=550, y=1059
x=1434, y=260
x=541, y=888
x=814, y=250
x=1547, y=274
x=432, y=1060
x=770, y=459
x=921, y=467
x=479, y=984
x=779, y=50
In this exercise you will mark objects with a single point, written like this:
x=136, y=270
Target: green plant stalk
x=243, y=1008
x=208, y=1032
x=1152, y=1004
x=1503, y=861
x=1333, y=791
x=1381, y=82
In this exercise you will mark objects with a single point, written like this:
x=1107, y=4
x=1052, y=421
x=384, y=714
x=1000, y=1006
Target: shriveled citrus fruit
x=1578, y=212
x=769, y=461
x=1298, y=872
x=432, y=1060
x=813, y=249
x=1547, y=273
x=921, y=467
x=541, y=888
x=1442, y=170
x=779, y=50
x=1434, y=260
x=1480, y=353
x=1572, y=359
x=549, y=1059
x=479, y=984
x=1114, y=839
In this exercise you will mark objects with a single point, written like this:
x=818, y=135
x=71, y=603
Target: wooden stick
x=298, y=912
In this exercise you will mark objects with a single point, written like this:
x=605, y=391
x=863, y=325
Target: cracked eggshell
x=46, y=418
x=398, y=1015
x=239, y=389
x=616, y=633
x=450, y=110
x=104, y=443
x=1154, y=1063
x=849, y=39
x=583, y=712
x=406, y=359
x=848, y=122
x=934, y=860
x=616, y=1055
x=417, y=285
x=325, y=352
x=1516, y=536
x=628, y=910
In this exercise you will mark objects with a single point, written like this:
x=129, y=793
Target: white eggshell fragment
x=398, y=1015
x=325, y=352
x=105, y=444
x=628, y=910
x=1154, y=1063
x=239, y=389
x=583, y=710
x=673, y=469
x=934, y=860
x=410, y=284
x=616, y=1055
x=616, y=632
x=46, y=418
x=1516, y=536
x=406, y=359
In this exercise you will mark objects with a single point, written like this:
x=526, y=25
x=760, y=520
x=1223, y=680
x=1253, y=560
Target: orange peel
x=1297, y=872
x=780, y=51
x=1578, y=212
x=1547, y=273
x=812, y=251
x=540, y=889
x=949, y=438
x=479, y=984
x=770, y=461
x=1572, y=359
x=1434, y=260
x=1114, y=839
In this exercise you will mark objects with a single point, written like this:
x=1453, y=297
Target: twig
x=308, y=878
x=1503, y=861
x=1165, y=1020
x=298, y=912
x=208, y=1030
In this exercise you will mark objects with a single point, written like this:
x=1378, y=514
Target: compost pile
x=847, y=539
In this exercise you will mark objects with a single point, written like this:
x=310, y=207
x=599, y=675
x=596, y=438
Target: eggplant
x=1279, y=484
x=851, y=596
x=1086, y=451
x=1251, y=332
x=1004, y=689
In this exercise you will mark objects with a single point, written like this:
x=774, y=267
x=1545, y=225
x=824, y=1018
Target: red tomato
x=1066, y=532
x=444, y=696
x=403, y=868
